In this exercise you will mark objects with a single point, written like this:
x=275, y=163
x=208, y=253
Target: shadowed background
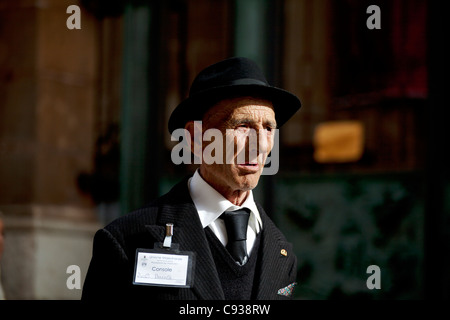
x=362, y=179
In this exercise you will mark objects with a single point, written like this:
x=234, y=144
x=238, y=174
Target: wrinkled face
x=249, y=125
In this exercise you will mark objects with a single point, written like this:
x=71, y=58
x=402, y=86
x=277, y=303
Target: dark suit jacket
x=110, y=273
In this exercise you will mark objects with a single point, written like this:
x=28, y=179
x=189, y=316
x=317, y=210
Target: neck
x=236, y=197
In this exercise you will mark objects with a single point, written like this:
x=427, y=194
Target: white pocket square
x=288, y=290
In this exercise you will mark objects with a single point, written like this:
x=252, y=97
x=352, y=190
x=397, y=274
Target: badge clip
x=169, y=233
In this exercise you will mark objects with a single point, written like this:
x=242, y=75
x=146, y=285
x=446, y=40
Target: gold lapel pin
x=283, y=252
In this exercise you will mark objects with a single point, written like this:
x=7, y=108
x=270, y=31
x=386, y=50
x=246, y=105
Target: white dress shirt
x=210, y=204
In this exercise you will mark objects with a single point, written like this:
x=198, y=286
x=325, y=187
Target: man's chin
x=248, y=181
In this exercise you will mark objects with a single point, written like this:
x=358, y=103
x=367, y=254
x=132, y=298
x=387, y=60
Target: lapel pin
x=283, y=252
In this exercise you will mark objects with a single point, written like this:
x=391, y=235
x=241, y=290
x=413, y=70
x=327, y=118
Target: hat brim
x=285, y=104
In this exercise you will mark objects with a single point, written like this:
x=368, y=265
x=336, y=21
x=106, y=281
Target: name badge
x=165, y=265
x=164, y=268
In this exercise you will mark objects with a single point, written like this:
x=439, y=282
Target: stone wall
x=48, y=96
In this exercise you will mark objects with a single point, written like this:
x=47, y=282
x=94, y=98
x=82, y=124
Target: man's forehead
x=241, y=107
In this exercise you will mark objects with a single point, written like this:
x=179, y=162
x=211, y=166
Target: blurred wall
x=48, y=94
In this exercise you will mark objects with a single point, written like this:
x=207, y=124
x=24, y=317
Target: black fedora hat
x=230, y=78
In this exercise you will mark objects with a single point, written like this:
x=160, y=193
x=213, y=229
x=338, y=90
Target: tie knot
x=236, y=223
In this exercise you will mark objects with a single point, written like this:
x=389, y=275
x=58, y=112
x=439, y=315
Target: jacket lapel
x=272, y=262
x=188, y=232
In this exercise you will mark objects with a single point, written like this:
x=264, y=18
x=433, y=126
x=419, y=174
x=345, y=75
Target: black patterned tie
x=236, y=223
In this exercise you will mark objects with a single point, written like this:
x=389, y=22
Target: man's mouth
x=249, y=166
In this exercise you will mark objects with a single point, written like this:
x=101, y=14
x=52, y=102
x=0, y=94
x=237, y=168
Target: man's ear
x=194, y=139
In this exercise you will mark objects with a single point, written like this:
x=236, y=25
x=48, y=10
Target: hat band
x=246, y=81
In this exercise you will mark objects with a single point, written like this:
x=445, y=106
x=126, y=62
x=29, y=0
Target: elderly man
x=206, y=238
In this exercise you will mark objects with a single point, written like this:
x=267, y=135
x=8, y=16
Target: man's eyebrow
x=237, y=121
x=270, y=123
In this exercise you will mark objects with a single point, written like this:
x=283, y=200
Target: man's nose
x=258, y=142
x=264, y=141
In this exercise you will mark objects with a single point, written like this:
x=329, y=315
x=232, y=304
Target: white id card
x=164, y=268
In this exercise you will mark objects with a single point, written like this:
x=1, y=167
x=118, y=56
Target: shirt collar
x=210, y=204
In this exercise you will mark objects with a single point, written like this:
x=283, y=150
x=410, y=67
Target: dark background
x=84, y=113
